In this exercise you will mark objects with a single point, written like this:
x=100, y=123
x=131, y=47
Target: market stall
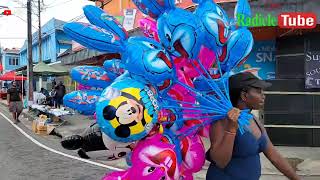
x=11, y=76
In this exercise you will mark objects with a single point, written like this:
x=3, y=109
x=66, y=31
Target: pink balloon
x=206, y=57
x=179, y=92
x=203, y=131
x=153, y=158
x=193, y=153
x=116, y=175
x=149, y=28
x=156, y=158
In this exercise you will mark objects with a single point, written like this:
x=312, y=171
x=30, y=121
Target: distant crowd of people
x=55, y=96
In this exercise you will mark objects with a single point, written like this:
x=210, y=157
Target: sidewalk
x=306, y=160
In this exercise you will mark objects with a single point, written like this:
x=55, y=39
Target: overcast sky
x=13, y=29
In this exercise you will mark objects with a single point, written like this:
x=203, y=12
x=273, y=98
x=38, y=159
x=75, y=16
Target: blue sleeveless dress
x=245, y=161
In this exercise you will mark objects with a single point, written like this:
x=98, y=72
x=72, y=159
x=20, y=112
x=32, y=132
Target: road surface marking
x=55, y=151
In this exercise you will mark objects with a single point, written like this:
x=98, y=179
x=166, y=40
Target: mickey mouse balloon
x=127, y=110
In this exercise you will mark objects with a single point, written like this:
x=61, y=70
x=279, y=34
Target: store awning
x=75, y=57
x=12, y=76
x=45, y=70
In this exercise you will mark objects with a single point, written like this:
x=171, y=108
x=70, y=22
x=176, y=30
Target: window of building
x=14, y=61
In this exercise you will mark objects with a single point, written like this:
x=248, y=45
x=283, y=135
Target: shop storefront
x=282, y=56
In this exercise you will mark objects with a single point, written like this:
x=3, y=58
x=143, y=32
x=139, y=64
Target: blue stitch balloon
x=179, y=30
x=231, y=44
x=92, y=76
x=82, y=101
x=144, y=58
x=183, y=33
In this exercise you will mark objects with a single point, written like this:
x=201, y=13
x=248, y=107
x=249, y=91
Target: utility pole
x=39, y=35
x=39, y=41
x=30, y=63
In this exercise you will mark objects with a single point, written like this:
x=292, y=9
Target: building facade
x=54, y=43
x=10, y=59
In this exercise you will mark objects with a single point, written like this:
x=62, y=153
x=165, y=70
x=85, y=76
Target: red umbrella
x=11, y=76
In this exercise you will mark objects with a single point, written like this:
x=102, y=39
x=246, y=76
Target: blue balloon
x=82, y=101
x=92, y=76
x=222, y=35
x=145, y=59
x=127, y=110
x=98, y=17
x=148, y=62
x=93, y=37
x=114, y=65
x=154, y=8
x=243, y=8
x=179, y=30
x=215, y=21
x=237, y=49
x=183, y=33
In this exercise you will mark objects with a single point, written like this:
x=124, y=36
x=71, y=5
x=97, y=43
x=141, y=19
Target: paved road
x=21, y=159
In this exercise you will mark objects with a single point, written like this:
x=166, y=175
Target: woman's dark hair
x=235, y=95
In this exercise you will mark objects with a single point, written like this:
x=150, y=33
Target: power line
x=25, y=21
x=52, y=31
x=12, y=38
x=59, y=4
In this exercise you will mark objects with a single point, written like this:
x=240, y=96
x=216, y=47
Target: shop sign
x=312, y=69
x=5, y=11
x=129, y=18
x=261, y=61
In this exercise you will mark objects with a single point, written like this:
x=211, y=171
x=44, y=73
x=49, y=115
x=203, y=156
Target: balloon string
x=197, y=127
x=220, y=71
x=211, y=111
x=194, y=105
x=206, y=98
x=210, y=81
x=216, y=88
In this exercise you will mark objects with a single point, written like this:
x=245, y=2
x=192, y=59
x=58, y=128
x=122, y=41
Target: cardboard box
x=34, y=126
x=42, y=132
x=39, y=127
x=50, y=128
x=55, y=119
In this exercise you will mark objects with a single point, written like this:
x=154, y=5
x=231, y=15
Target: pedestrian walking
x=236, y=156
x=14, y=98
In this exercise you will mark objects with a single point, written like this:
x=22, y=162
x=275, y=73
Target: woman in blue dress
x=234, y=156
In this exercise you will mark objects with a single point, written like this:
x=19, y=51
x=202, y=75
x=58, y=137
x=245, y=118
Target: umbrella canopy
x=45, y=70
x=12, y=76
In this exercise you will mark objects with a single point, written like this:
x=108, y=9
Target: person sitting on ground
x=44, y=92
x=14, y=98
